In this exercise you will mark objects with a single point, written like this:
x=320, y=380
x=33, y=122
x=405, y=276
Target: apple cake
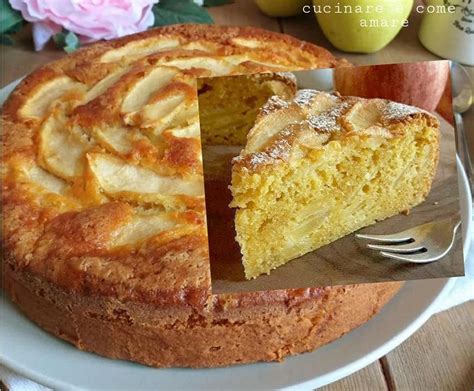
x=320, y=166
x=231, y=104
x=104, y=235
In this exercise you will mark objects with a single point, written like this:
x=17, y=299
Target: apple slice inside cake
x=320, y=166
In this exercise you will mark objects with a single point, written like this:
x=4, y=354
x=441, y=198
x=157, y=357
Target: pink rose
x=91, y=20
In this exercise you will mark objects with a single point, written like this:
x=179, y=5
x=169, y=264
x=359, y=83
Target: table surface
x=440, y=356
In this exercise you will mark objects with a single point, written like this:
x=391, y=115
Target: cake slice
x=321, y=166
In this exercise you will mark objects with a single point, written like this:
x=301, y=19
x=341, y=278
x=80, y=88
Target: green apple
x=282, y=8
x=361, y=26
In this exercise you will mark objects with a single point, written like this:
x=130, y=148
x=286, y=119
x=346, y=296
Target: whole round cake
x=105, y=242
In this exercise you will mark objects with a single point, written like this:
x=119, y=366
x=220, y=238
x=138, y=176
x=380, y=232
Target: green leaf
x=214, y=3
x=67, y=40
x=72, y=42
x=179, y=11
x=10, y=20
x=59, y=40
x=5, y=39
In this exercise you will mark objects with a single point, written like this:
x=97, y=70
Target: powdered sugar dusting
x=256, y=159
x=279, y=150
x=328, y=120
x=259, y=159
x=287, y=75
x=394, y=111
x=304, y=97
x=273, y=104
x=318, y=128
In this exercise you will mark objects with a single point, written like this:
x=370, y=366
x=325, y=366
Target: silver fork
x=422, y=244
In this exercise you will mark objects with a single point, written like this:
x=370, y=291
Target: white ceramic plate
x=30, y=351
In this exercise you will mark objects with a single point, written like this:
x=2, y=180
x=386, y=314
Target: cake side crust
x=181, y=337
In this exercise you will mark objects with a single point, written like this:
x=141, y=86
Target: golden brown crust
x=314, y=118
x=225, y=35
x=82, y=64
x=216, y=336
x=73, y=261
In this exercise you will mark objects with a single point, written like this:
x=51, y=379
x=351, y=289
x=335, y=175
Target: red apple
x=445, y=105
x=419, y=84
